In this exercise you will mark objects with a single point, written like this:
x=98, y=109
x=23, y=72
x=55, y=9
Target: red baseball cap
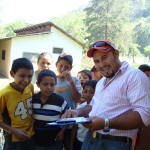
x=103, y=46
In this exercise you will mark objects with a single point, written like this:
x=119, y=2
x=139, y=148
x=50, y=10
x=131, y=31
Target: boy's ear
x=12, y=74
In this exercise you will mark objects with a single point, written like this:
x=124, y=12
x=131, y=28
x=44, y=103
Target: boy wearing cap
x=68, y=87
x=117, y=109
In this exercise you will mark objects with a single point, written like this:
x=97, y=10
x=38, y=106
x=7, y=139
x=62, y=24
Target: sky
x=36, y=11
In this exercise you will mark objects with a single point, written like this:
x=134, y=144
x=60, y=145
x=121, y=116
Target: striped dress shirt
x=129, y=89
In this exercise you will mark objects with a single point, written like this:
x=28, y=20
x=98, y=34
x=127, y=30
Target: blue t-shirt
x=63, y=88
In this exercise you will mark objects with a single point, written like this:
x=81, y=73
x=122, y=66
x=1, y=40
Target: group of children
x=25, y=109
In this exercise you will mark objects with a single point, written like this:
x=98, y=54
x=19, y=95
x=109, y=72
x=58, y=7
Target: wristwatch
x=106, y=125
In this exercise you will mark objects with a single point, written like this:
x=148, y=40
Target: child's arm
x=75, y=93
x=60, y=135
x=73, y=136
x=21, y=135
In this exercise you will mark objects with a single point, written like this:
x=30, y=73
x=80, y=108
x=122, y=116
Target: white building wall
x=44, y=43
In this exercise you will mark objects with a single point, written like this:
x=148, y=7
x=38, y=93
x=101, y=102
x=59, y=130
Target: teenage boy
x=15, y=107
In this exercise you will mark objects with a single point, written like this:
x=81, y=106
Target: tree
x=134, y=51
x=73, y=23
x=8, y=30
x=109, y=19
x=147, y=51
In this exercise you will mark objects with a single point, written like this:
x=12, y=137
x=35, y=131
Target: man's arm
x=77, y=112
x=126, y=121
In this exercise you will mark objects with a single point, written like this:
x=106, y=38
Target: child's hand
x=67, y=76
x=21, y=135
x=60, y=136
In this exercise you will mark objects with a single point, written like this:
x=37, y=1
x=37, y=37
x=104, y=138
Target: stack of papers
x=69, y=121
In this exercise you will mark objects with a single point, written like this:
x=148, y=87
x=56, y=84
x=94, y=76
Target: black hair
x=144, y=67
x=91, y=83
x=44, y=73
x=65, y=56
x=43, y=55
x=87, y=72
x=21, y=63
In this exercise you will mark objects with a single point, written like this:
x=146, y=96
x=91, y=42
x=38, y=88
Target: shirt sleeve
x=138, y=93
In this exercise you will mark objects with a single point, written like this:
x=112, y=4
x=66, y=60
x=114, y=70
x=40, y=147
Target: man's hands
x=96, y=124
x=71, y=113
x=21, y=135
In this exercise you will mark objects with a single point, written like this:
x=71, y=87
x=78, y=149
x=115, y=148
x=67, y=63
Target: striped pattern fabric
x=129, y=89
x=46, y=113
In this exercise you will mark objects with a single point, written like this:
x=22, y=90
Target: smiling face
x=62, y=66
x=107, y=63
x=88, y=93
x=47, y=86
x=44, y=62
x=22, y=78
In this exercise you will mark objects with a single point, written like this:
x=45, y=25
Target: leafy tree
x=109, y=19
x=8, y=30
x=134, y=51
x=147, y=51
x=141, y=19
x=73, y=23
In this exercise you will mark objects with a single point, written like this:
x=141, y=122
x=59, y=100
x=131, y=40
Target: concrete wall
x=45, y=43
x=5, y=44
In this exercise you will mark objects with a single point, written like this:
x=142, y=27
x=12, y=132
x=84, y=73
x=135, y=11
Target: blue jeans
x=26, y=145
x=91, y=143
x=56, y=146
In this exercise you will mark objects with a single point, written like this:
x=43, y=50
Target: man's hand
x=96, y=124
x=70, y=114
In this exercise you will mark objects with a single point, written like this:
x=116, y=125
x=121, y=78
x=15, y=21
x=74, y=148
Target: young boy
x=68, y=87
x=146, y=69
x=48, y=107
x=84, y=76
x=88, y=93
x=15, y=107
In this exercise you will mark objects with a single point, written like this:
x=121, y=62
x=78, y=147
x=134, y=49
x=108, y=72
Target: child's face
x=83, y=78
x=147, y=73
x=22, y=78
x=62, y=66
x=44, y=63
x=47, y=86
x=88, y=93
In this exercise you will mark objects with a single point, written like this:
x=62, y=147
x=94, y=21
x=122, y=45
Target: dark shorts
x=26, y=145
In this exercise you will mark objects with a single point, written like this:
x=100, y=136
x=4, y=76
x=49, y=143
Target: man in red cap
x=120, y=104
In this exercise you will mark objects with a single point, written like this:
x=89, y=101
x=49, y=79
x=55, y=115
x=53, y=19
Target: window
x=3, y=54
x=31, y=56
x=57, y=50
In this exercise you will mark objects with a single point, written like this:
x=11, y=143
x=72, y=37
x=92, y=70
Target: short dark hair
x=87, y=72
x=91, y=83
x=144, y=67
x=21, y=63
x=65, y=56
x=44, y=73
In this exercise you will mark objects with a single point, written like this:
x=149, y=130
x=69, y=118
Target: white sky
x=36, y=11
